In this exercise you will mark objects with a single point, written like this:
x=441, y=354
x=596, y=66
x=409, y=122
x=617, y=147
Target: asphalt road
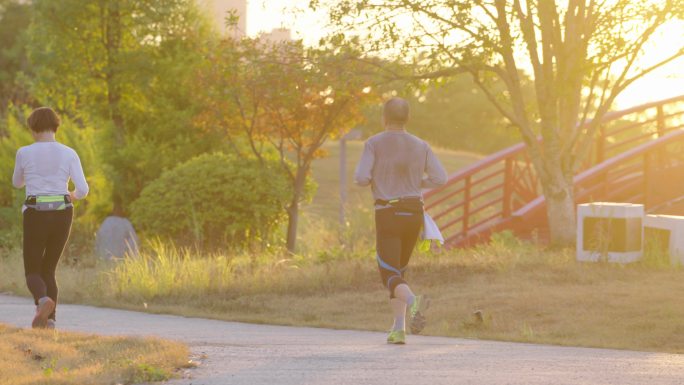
x=238, y=353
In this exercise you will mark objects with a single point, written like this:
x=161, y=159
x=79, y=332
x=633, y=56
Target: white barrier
x=668, y=230
x=609, y=231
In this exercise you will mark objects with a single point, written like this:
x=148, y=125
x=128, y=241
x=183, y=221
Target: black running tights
x=45, y=235
x=397, y=231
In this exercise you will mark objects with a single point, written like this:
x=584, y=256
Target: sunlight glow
x=665, y=82
x=310, y=27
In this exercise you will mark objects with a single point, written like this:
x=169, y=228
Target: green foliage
x=127, y=65
x=15, y=18
x=15, y=136
x=112, y=45
x=214, y=201
x=286, y=99
x=145, y=372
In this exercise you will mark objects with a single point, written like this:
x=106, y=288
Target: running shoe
x=396, y=337
x=45, y=306
x=417, y=310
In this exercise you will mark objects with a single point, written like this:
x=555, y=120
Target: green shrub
x=214, y=201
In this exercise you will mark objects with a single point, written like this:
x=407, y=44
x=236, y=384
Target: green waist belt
x=48, y=202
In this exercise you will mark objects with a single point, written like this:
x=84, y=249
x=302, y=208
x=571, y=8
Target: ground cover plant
x=50, y=358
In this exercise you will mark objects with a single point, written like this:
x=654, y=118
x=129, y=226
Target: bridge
x=637, y=157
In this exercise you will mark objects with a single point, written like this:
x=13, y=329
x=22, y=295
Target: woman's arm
x=18, y=177
x=76, y=174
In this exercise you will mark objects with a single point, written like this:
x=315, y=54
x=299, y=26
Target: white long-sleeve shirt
x=397, y=164
x=45, y=169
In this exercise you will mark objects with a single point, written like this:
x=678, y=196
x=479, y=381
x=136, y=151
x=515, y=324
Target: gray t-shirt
x=397, y=165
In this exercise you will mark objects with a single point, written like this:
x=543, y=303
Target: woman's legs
x=45, y=235
x=35, y=238
x=53, y=252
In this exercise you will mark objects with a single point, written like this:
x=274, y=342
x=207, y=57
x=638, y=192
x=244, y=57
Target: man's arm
x=436, y=175
x=362, y=175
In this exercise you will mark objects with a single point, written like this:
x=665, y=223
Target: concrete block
x=668, y=230
x=611, y=232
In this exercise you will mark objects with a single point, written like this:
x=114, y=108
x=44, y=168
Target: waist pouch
x=412, y=204
x=48, y=202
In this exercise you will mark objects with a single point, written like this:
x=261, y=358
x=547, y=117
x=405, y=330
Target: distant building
x=276, y=36
x=219, y=10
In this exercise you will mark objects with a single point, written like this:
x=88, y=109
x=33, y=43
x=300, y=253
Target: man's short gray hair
x=396, y=111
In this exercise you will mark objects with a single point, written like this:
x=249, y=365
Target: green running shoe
x=396, y=337
x=417, y=310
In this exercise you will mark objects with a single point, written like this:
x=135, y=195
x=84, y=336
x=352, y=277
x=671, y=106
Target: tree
x=285, y=99
x=579, y=54
x=123, y=63
x=15, y=18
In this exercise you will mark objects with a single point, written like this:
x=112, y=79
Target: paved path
x=237, y=353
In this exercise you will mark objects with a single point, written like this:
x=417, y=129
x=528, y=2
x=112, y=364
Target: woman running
x=45, y=168
x=398, y=165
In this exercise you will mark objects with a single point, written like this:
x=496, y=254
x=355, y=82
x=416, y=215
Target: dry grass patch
x=55, y=357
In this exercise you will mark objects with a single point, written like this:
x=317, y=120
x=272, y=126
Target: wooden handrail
x=513, y=166
x=477, y=167
x=604, y=167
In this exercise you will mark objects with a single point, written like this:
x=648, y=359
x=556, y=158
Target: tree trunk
x=119, y=142
x=560, y=208
x=292, y=220
x=293, y=209
x=113, y=36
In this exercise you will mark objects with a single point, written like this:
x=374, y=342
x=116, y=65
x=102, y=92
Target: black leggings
x=45, y=235
x=396, y=232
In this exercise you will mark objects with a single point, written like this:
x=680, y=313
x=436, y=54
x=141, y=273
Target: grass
x=52, y=358
x=524, y=293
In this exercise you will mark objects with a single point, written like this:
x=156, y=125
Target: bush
x=214, y=201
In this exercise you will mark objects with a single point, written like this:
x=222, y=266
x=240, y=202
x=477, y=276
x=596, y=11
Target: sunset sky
x=305, y=24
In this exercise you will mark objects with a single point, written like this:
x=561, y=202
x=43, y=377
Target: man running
x=45, y=168
x=398, y=166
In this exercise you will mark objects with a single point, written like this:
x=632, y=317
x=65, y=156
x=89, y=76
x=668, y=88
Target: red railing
x=650, y=173
x=494, y=193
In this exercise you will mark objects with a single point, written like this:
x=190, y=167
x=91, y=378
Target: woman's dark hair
x=396, y=111
x=43, y=119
